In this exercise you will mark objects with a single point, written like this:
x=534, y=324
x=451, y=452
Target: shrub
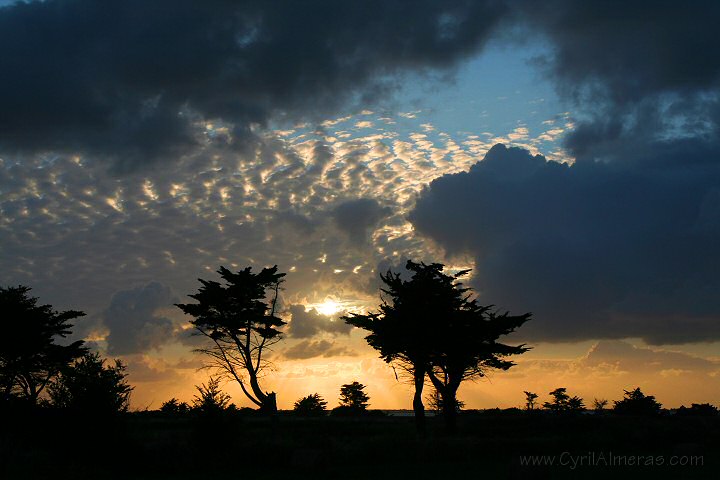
x=211, y=399
x=637, y=403
x=312, y=405
x=174, y=407
x=89, y=386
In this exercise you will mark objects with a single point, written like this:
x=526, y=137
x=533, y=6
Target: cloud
x=316, y=348
x=594, y=250
x=630, y=358
x=139, y=82
x=358, y=217
x=134, y=322
x=305, y=324
x=634, y=75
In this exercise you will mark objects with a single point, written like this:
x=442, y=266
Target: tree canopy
x=29, y=356
x=239, y=318
x=431, y=326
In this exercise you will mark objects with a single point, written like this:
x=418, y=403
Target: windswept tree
x=239, y=320
x=29, y=356
x=404, y=330
x=430, y=326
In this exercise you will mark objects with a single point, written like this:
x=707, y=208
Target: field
x=489, y=444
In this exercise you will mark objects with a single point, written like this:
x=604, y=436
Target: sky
x=567, y=152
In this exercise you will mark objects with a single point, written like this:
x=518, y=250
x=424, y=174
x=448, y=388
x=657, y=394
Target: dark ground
x=488, y=445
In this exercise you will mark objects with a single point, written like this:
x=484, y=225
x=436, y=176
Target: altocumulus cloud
x=595, y=250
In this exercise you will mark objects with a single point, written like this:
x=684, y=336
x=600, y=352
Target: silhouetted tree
x=637, y=403
x=88, y=386
x=530, y=398
x=562, y=402
x=312, y=405
x=29, y=356
x=211, y=398
x=403, y=330
x=174, y=407
x=429, y=326
x=240, y=320
x=352, y=395
x=599, y=405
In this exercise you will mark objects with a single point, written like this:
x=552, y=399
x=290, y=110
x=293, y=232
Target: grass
x=489, y=444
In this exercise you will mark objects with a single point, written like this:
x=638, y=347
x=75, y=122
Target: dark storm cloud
x=595, y=250
x=136, y=81
x=636, y=72
x=305, y=324
x=134, y=322
x=358, y=217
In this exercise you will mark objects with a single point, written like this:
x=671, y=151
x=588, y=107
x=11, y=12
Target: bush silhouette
x=312, y=405
x=174, y=407
x=211, y=399
x=637, y=403
x=89, y=386
x=698, y=410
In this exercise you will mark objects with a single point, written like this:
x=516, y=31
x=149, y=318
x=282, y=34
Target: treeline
x=428, y=326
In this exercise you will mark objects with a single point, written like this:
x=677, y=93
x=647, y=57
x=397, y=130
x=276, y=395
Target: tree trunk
x=449, y=409
x=269, y=403
x=268, y=400
x=418, y=406
x=450, y=404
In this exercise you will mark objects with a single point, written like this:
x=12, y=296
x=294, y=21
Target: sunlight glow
x=328, y=307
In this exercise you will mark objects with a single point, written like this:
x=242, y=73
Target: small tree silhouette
x=89, y=386
x=599, y=405
x=562, y=402
x=530, y=398
x=212, y=399
x=637, y=403
x=312, y=405
x=352, y=396
x=174, y=407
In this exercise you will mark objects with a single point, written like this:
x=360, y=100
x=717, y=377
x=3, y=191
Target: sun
x=328, y=307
